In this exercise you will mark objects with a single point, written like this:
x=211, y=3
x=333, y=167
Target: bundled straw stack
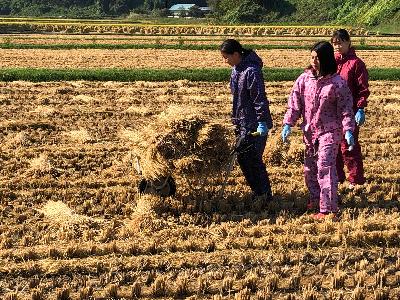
x=181, y=142
x=278, y=153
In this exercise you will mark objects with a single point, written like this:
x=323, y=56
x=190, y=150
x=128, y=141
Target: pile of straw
x=181, y=142
x=278, y=153
x=58, y=212
x=80, y=136
x=145, y=218
x=19, y=139
x=40, y=165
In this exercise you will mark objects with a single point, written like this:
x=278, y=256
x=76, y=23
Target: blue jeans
x=250, y=161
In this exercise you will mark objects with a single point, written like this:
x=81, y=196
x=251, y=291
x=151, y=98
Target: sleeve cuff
x=361, y=103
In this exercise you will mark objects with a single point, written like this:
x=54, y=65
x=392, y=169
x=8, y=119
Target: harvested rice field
x=167, y=58
x=99, y=27
x=73, y=225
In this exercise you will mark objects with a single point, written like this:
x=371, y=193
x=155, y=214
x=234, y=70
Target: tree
x=214, y=4
x=5, y=7
x=119, y=7
x=104, y=6
x=195, y=12
x=228, y=5
x=246, y=12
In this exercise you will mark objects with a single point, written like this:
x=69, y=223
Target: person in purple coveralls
x=324, y=101
x=251, y=117
x=353, y=70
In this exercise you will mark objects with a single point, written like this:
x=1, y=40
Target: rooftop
x=181, y=6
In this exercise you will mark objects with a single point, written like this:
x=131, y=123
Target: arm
x=256, y=87
x=234, y=99
x=295, y=102
x=361, y=76
x=231, y=83
x=345, y=107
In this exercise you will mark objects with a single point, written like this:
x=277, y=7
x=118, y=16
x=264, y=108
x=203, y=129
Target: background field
x=72, y=222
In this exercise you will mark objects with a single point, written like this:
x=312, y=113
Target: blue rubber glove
x=262, y=129
x=285, y=132
x=349, y=139
x=360, y=116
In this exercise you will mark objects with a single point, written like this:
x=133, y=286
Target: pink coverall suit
x=325, y=105
x=353, y=70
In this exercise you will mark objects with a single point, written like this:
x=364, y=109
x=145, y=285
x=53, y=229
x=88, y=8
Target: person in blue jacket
x=250, y=115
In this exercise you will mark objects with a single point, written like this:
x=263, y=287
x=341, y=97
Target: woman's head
x=323, y=59
x=341, y=41
x=232, y=52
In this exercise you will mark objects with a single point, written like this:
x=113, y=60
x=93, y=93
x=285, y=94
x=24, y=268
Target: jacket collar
x=326, y=78
x=251, y=59
x=313, y=76
x=350, y=54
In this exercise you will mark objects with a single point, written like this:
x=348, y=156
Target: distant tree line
x=371, y=12
x=95, y=8
x=84, y=8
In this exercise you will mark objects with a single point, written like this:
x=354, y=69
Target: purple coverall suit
x=249, y=107
x=353, y=70
x=325, y=105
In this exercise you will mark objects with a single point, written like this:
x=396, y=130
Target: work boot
x=259, y=202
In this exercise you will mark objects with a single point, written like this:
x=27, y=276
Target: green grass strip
x=177, y=46
x=124, y=75
x=212, y=75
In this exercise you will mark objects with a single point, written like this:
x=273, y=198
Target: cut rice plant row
x=119, y=28
x=179, y=46
x=73, y=224
x=167, y=58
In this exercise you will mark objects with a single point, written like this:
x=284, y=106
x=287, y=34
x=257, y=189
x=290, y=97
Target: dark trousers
x=352, y=160
x=250, y=161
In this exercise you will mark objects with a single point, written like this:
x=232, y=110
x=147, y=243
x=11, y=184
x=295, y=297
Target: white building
x=178, y=9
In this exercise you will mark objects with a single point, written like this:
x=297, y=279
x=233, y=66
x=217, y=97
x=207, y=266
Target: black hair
x=231, y=46
x=340, y=34
x=326, y=57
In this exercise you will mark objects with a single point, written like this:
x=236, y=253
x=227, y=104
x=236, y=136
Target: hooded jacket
x=353, y=70
x=250, y=104
x=325, y=104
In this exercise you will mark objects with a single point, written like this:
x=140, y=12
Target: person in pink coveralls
x=353, y=70
x=324, y=101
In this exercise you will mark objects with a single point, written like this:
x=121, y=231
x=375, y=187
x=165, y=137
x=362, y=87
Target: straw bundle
x=278, y=153
x=44, y=111
x=19, y=139
x=80, y=136
x=144, y=218
x=275, y=150
x=182, y=141
x=84, y=99
x=58, y=212
x=40, y=165
x=295, y=155
x=189, y=164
